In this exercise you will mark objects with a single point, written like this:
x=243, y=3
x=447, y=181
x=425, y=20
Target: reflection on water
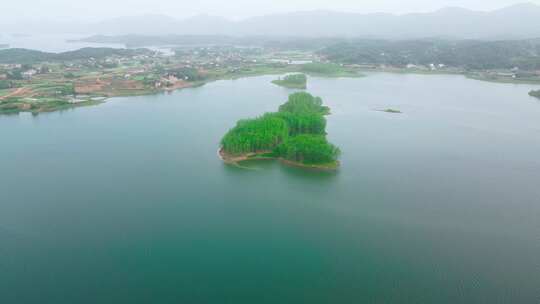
x=275, y=167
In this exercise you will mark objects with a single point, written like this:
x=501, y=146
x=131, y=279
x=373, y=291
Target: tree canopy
x=254, y=135
x=296, y=133
x=468, y=54
x=308, y=149
x=304, y=103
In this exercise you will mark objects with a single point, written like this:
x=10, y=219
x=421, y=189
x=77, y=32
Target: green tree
x=296, y=133
x=304, y=103
x=308, y=149
x=254, y=135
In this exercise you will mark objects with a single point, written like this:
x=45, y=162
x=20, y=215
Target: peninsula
x=34, y=81
x=296, y=135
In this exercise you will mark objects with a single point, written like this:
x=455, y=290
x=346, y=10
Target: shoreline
x=22, y=108
x=236, y=160
x=468, y=75
x=281, y=83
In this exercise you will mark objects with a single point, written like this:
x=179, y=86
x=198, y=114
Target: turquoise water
x=127, y=202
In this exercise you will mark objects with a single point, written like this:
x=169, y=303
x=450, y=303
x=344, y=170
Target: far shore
x=185, y=85
x=125, y=93
x=469, y=75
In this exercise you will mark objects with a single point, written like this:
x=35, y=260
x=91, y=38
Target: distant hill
x=24, y=56
x=514, y=22
x=146, y=24
x=520, y=21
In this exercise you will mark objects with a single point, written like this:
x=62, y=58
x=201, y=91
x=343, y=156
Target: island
x=391, y=111
x=535, y=93
x=292, y=81
x=4, y=46
x=295, y=135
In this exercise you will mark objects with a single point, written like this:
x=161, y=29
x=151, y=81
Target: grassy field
x=251, y=71
x=18, y=105
x=4, y=92
x=329, y=70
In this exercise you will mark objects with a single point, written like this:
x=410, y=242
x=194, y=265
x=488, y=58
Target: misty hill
x=138, y=24
x=514, y=22
x=24, y=56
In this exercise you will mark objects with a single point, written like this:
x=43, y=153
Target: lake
x=127, y=202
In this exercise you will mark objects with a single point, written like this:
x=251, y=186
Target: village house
x=29, y=74
x=137, y=71
x=11, y=66
x=172, y=78
x=168, y=80
x=506, y=74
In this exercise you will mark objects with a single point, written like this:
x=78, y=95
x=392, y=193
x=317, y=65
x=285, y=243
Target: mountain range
x=514, y=22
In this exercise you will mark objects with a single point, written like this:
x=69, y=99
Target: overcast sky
x=18, y=10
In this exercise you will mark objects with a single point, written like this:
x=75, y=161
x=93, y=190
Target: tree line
x=468, y=54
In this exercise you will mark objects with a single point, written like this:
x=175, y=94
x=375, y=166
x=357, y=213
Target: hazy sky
x=17, y=10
